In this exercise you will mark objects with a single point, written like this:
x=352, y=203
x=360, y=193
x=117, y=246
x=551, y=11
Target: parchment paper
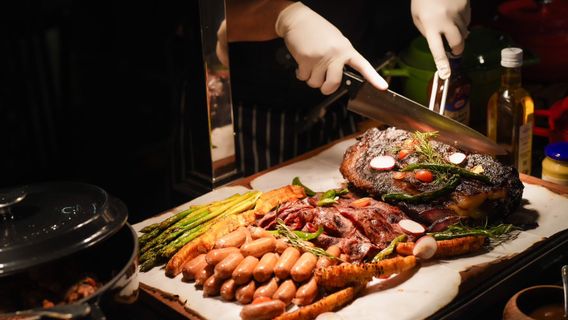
x=423, y=293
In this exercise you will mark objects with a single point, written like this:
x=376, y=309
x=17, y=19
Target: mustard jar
x=555, y=165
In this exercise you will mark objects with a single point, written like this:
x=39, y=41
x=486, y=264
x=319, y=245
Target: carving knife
x=396, y=110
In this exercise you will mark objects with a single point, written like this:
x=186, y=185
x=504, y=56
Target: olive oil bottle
x=510, y=111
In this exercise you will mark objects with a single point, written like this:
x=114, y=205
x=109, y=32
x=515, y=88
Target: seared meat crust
x=471, y=198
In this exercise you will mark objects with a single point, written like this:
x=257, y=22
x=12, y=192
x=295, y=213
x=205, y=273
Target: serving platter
x=408, y=296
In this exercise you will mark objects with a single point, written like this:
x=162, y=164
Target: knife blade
x=396, y=110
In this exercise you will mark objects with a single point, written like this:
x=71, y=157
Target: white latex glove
x=320, y=49
x=435, y=18
x=221, y=49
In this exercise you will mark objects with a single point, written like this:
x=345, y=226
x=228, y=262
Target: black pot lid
x=44, y=222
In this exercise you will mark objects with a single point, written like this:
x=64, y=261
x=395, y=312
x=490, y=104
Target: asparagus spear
x=170, y=249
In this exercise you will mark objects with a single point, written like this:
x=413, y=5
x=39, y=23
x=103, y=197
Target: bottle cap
x=557, y=151
x=512, y=57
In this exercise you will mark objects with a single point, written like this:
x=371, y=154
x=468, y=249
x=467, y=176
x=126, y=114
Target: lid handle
x=10, y=198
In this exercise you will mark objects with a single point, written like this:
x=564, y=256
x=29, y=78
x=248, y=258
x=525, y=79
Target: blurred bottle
x=459, y=88
x=510, y=117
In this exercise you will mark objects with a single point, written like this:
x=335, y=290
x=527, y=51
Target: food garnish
x=331, y=196
x=456, y=158
x=425, y=247
x=382, y=163
x=389, y=250
x=447, y=168
x=297, y=242
x=499, y=233
x=411, y=227
x=296, y=182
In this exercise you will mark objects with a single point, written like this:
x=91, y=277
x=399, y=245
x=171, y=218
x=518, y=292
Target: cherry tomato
x=424, y=175
x=261, y=300
x=403, y=153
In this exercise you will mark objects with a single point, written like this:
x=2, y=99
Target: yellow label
x=525, y=148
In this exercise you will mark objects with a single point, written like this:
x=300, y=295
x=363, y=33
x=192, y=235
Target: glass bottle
x=510, y=118
x=459, y=88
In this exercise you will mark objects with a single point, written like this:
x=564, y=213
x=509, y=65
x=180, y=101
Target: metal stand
x=204, y=150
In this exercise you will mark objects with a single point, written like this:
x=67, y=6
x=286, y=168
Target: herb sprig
x=497, y=234
x=423, y=147
x=297, y=242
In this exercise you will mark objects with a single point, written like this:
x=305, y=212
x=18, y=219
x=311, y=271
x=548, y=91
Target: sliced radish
x=425, y=247
x=382, y=163
x=456, y=157
x=411, y=227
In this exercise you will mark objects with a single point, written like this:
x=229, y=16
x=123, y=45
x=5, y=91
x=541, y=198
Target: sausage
x=194, y=265
x=202, y=275
x=263, y=311
x=233, y=239
x=245, y=293
x=264, y=269
x=286, y=292
x=267, y=290
x=258, y=232
x=303, y=268
x=215, y=256
x=281, y=245
x=306, y=293
x=225, y=268
x=228, y=289
x=212, y=286
x=286, y=262
x=243, y=273
x=324, y=262
x=259, y=247
x=248, y=236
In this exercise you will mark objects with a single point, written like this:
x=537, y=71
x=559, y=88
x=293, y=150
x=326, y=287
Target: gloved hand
x=320, y=49
x=435, y=18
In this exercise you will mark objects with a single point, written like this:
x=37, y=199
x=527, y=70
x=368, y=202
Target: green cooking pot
x=481, y=63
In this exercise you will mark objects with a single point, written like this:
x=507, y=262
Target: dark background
x=89, y=92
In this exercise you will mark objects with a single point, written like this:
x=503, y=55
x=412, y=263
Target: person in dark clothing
x=272, y=99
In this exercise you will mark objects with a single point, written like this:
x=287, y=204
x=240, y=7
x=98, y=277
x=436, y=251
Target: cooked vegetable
x=382, y=163
x=411, y=227
x=360, y=203
x=295, y=241
x=447, y=248
x=425, y=247
x=331, y=196
x=348, y=274
x=424, y=196
x=424, y=175
x=306, y=236
x=296, y=182
x=447, y=168
x=332, y=302
x=386, y=252
x=456, y=158
x=498, y=233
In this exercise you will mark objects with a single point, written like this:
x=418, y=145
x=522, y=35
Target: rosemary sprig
x=297, y=242
x=497, y=234
x=424, y=148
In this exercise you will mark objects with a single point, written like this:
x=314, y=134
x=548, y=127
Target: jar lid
x=557, y=151
x=47, y=221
